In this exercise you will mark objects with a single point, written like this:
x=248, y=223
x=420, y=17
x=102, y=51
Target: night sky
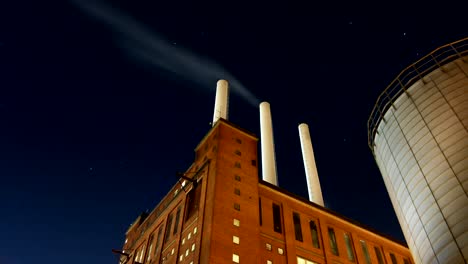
x=101, y=105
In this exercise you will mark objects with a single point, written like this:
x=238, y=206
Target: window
x=195, y=229
x=260, y=209
x=193, y=247
x=158, y=240
x=378, y=253
x=268, y=247
x=280, y=251
x=189, y=235
x=235, y=240
x=304, y=261
x=237, y=178
x=332, y=238
x=277, y=218
x=236, y=191
x=193, y=200
x=254, y=163
x=236, y=222
x=150, y=247
x=269, y=262
x=238, y=141
x=238, y=153
x=365, y=251
x=177, y=218
x=168, y=229
x=406, y=261
x=235, y=258
x=393, y=258
x=349, y=247
x=181, y=257
x=237, y=206
x=297, y=226
x=314, y=234
x=187, y=252
x=237, y=164
x=183, y=240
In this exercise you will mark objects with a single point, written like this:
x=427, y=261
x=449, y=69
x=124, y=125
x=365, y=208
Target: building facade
x=418, y=134
x=220, y=212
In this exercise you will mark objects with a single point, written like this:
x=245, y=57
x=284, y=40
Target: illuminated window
x=365, y=251
x=235, y=240
x=236, y=222
x=297, y=226
x=269, y=262
x=235, y=258
x=172, y=251
x=332, y=239
x=237, y=206
x=378, y=253
x=301, y=260
x=280, y=251
x=187, y=252
x=268, y=247
x=349, y=247
x=189, y=235
x=150, y=248
x=277, y=218
x=181, y=257
x=193, y=247
x=195, y=230
x=183, y=240
x=236, y=191
x=314, y=234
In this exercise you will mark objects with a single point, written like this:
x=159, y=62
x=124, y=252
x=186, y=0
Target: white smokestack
x=313, y=183
x=268, y=147
x=221, y=101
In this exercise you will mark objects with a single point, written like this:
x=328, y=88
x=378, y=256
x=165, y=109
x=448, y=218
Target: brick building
x=220, y=212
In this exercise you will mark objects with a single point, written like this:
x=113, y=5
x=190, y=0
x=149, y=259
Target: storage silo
x=419, y=137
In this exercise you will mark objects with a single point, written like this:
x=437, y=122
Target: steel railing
x=411, y=74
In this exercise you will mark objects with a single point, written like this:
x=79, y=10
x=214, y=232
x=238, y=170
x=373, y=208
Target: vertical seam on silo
x=406, y=187
x=425, y=179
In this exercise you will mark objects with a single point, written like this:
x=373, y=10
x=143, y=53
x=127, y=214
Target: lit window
x=349, y=247
x=268, y=246
x=280, y=251
x=237, y=206
x=304, y=261
x=236, y=222
x=189, y=235
x=235, y=240
x=183, y=241
x=194, y=230
x=193, y=247
x=235, y=258
x=332, y=239
x=269, y=262
x=191, y=262
x=126, y=240
x=236, y=191
x=365, y=251
x=187, y=252
x=172, y=252
x=181, y=257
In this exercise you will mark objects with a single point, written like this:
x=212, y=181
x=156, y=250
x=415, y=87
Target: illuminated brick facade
x=225, y=214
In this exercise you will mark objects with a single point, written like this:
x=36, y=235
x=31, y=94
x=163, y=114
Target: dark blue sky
x=97, y=116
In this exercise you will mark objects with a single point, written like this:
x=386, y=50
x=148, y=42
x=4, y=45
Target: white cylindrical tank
x=420, y=143
x=221, y=101
x=267, y=145
x=313, y=182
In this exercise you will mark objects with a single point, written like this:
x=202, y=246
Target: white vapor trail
x=143, y=44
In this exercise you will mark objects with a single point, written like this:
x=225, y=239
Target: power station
x=221, y=211
x=419, y=137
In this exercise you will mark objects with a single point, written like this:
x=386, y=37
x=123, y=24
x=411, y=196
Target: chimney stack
x=221, y=101
x=267, y=144
x=313, y=183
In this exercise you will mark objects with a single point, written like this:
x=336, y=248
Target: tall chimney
x=313, y=183
x=268, y=147
x=221, y=101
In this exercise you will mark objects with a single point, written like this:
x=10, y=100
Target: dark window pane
x=260, y=209
x=406, y=261
x=314, y=234
x=177, y=218
x=332, y=238
x=365, y=252
x=236, y=191
x=297, y=226
x=349, y=247
x=277, y=218
x=393, y=258
x=168, y=228
x=237, y=206
x=193, y=200
x=158, y=241
x=378, y=252
x=237, y=177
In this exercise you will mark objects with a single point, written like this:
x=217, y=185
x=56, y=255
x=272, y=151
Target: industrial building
x=419, y=137
x=220, y=211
